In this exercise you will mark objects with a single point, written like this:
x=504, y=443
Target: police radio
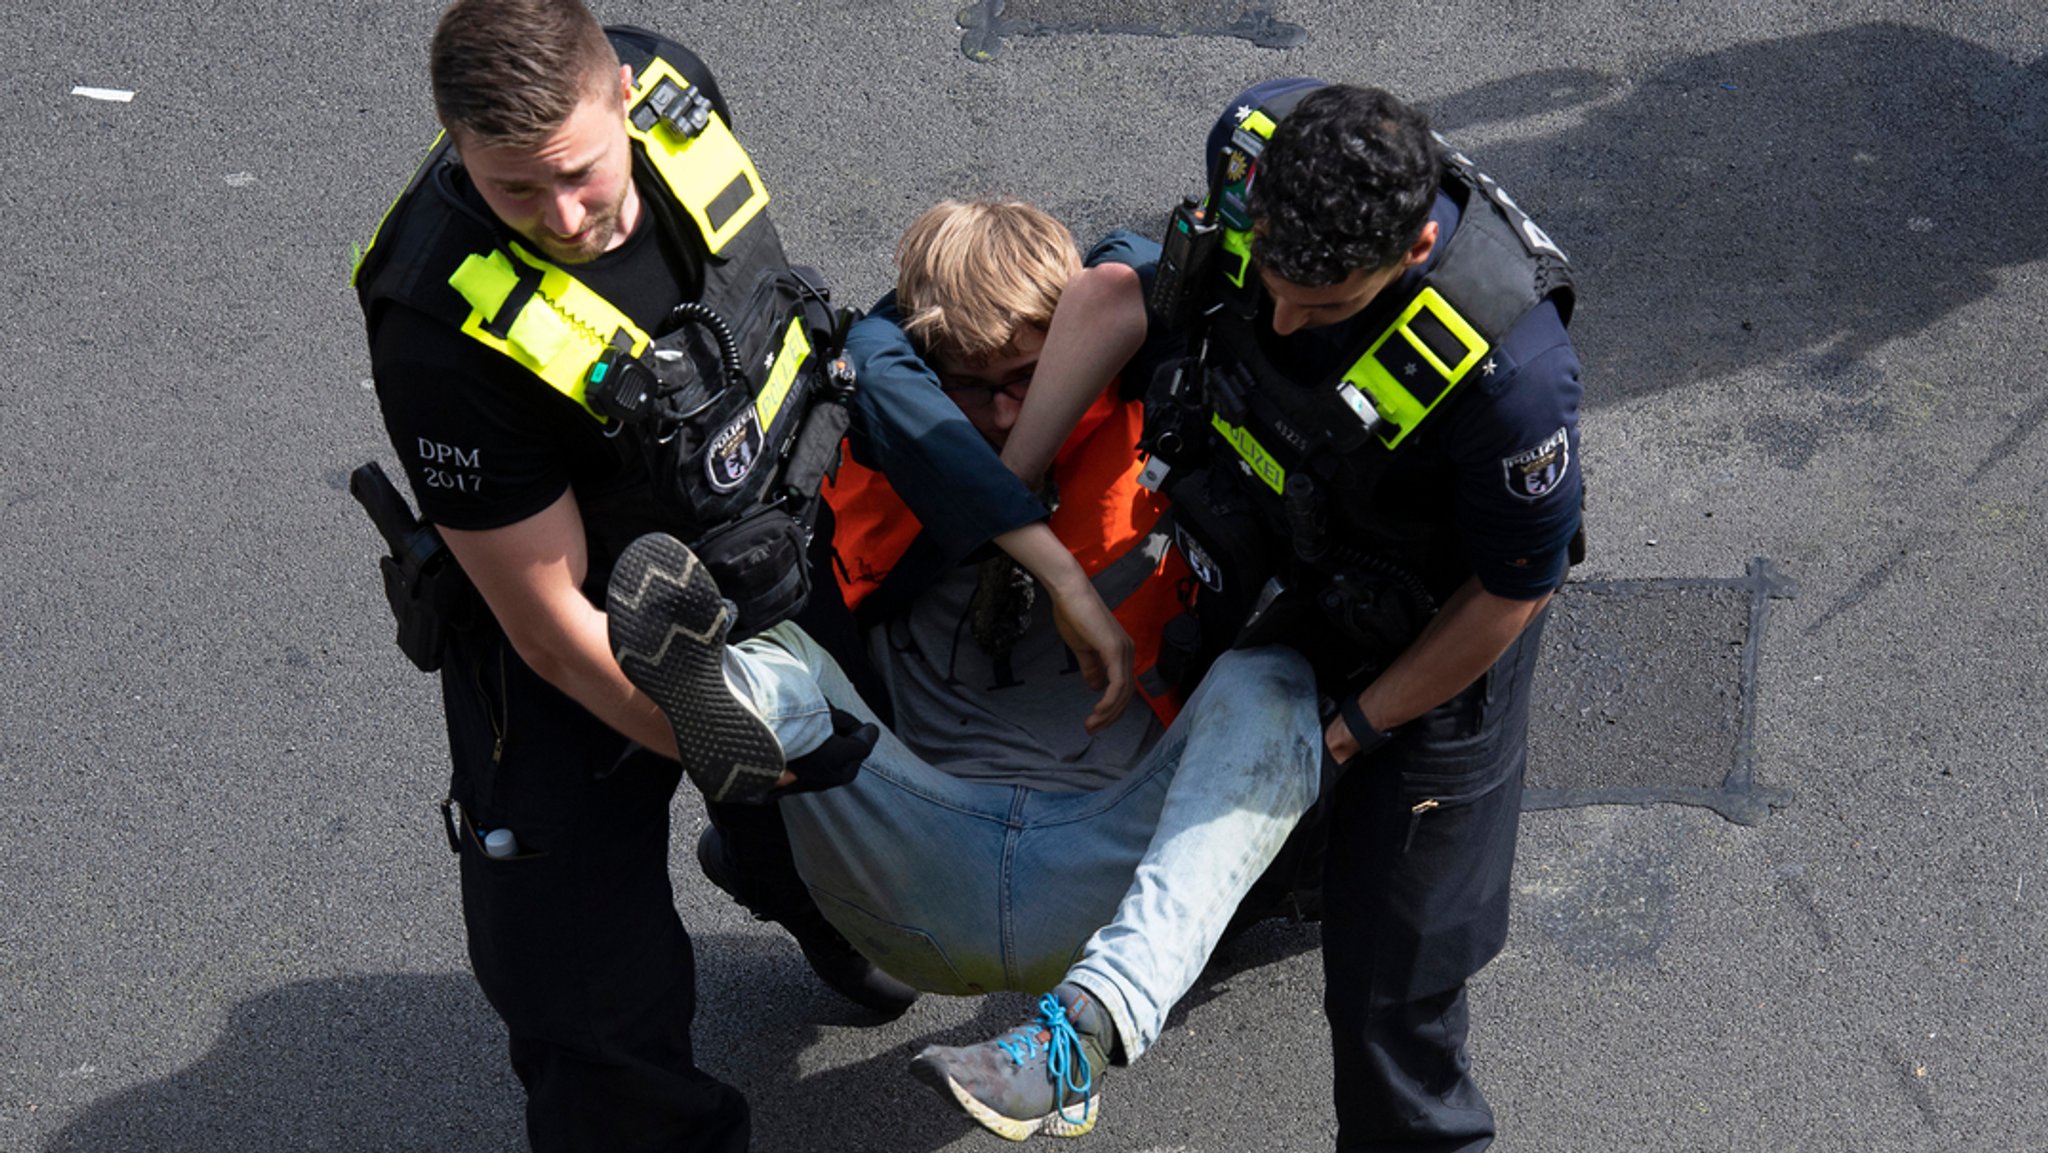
x=1187, y=262
x=621, y=388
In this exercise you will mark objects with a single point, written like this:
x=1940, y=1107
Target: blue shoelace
x=1062, y=1054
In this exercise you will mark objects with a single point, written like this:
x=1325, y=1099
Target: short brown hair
x=970, y=274
x=510, y=72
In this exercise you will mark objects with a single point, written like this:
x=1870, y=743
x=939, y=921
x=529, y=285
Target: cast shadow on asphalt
x=1800, y=201
x=1787, y=205
x=417, y=1062
x=1769, y=216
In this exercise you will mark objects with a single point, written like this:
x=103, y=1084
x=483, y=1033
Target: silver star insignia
x=1487, y=368
x=1243, y=110
x=1409, y=370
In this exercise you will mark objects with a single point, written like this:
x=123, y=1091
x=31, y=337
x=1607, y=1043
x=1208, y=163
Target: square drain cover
x=1646, y=693
x=985, y=23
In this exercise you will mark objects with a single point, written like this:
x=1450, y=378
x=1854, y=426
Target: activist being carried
x=1373, y=454
x=1019, y=829
x=583, y=328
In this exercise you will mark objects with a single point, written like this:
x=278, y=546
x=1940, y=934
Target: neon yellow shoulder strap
x=1430, y=337
x=708, y=172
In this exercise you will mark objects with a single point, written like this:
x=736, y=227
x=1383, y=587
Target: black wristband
x=1369, y=739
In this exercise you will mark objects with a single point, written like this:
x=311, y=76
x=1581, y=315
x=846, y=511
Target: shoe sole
x=667, y=625
x=1052, y=1124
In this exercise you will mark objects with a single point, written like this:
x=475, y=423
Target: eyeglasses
x=981, y=394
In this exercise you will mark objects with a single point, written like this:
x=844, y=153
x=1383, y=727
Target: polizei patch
x=733, y=453
x=1532, y=473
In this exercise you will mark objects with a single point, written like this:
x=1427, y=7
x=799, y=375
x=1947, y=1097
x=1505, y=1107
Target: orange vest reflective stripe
x=1103, y=514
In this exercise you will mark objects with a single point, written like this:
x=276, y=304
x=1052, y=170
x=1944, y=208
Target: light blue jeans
x=965, y=887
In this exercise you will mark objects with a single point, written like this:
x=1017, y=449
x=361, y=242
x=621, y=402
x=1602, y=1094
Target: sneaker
x=1042, y=1076
x=831, y=956
x=667, y=625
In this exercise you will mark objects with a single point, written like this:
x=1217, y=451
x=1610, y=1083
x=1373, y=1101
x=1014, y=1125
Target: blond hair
x=970, y=274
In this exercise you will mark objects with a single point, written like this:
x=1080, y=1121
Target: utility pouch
x=1231, y=557
x=703, y=461
x=1181, y=659
x=430, y=595
x=1371, y=610
x=719, y=400
x=762, y=565
x=739, y=418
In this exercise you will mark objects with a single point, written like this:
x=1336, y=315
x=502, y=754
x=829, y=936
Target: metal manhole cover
x=1646, y=693
x=987, y=22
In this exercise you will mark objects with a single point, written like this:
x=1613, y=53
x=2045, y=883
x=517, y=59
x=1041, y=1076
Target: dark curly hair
x=1346, y=183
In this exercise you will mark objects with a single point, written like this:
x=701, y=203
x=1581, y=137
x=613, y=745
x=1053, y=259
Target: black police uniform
x=574, y=938
x=1422, y=831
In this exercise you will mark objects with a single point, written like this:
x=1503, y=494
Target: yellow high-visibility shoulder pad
x=709, y=172
x=1237, y=262
x=558, y=332
x=1431, y=339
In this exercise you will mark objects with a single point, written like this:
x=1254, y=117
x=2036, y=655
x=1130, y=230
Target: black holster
x=430, y=596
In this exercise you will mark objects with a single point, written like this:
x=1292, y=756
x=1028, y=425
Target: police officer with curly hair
x=1390, y=393
x=1373, y=454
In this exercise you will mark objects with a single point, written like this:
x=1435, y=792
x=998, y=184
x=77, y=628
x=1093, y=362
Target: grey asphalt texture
x=1814, y=265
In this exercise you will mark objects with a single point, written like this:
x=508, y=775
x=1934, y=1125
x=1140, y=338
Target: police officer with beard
x=589, y=219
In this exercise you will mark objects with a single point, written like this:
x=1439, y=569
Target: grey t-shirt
x=1015, y=719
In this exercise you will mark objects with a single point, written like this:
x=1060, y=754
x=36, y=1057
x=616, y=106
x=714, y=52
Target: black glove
x=835, y=762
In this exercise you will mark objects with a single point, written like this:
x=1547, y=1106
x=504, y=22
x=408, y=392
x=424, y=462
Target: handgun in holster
x=430, y=595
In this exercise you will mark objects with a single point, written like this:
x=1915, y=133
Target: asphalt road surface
x=1788, y=897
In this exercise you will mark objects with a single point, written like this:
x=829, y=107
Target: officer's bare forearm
x=1459, y=644
x=531, y=575
x=578, y=661
x=1098, y=326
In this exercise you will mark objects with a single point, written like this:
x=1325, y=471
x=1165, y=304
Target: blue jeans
x=965, y=887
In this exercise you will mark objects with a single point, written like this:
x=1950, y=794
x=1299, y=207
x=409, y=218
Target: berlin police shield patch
x=1199, y=561
x=733, y=453
x=1532, y=473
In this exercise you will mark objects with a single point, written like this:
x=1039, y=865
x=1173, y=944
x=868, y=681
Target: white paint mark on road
x=114, y=95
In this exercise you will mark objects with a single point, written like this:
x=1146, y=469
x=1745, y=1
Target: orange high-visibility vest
x=1103, y=514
